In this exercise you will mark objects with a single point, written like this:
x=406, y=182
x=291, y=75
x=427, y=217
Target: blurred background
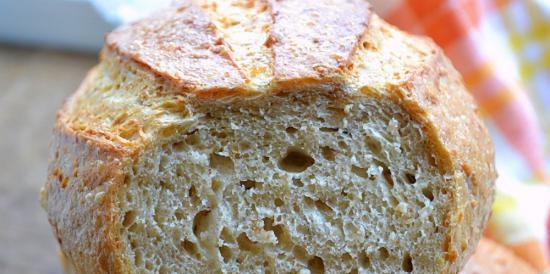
x=501, y=47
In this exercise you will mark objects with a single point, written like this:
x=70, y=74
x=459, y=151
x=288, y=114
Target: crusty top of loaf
x=224, y=50
x=194, y=44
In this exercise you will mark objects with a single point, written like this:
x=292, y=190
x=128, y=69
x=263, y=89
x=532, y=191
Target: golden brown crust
x=197, y=61
x=313, y=40
x=491, y=258
x=82, y=184
x=308, y=40
x=181, y=46
x=84, y=176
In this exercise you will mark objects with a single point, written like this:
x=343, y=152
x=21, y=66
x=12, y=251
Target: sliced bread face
x=288, y=184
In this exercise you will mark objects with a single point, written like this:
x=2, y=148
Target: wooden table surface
x=33, y=84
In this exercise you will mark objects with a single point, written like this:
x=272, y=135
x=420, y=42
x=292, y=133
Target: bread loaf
x=269, y=137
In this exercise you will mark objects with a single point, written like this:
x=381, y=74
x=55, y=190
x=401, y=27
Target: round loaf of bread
x=269, y=136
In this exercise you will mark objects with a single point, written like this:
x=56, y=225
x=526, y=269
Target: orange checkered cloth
x=463, y=29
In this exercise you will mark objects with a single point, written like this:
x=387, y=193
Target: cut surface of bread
x=225, y=137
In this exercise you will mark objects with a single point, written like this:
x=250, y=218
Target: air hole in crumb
x=135, y=228
x=227, y=236
x=64, y=181
x=268, y=223
x=432, y=161
x=244, y=146
x=178, y=213
x=180, y=171
x=129, y=218
x=163, y=270
x=411, y=179
x=296, y=161
x=328, y=129
x=149, y=266
x=359, y=171
x=393, y=201
x=164, y=132
x=221, y=163
x=278, y=202
x=191, y=248
x=138, y=257
x=226, y=253
x=373, y=146
x=179, y=146
x=384, y=253
x=350, y=228
x=193, y=195
x=366, y=45
x=168, y=186
x=407, y=264
x=328, y=153
x=364, y=260
x=283, y=237
x=346, y=257
x=387, y=176
x=419, y=203
x=316, y=265
x=291, y=130
x=343, y=145
x=463, y=246
x=246, y=244
x=344, y=204
x=428, y=193
x=193, y=138
x=323, y=207
x=296, y=208
x=308, y=201
x=216, y=185
x=248, y=184
x=201, y=222
x=159, y=216
x=297, y=182
x=221, y=135
x=127, y=179
x=300, y=253
x=265, y=159
x=129, y=197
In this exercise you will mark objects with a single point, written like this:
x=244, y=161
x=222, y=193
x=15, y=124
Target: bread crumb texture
x=269, y=137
